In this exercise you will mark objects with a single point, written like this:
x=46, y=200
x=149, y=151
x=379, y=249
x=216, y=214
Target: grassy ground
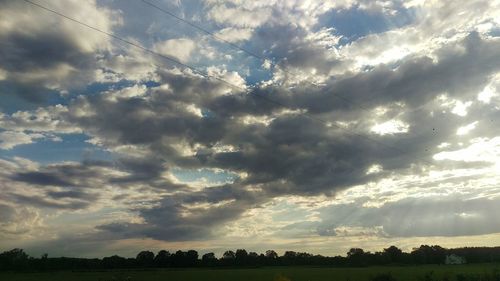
x=260, y=274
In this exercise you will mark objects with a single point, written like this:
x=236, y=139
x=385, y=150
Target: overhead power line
x=253, y=54
x=193, y=25
x=206, y=75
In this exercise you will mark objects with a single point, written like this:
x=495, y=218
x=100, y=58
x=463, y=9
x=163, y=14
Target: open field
x=264, y=274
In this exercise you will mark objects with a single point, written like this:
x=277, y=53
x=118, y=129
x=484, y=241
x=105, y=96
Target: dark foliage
x=17, y=259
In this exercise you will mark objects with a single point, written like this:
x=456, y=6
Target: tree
x=271, y=254
x=289, y=257
x=355, y=252
x=355, y=256
x=253, y=255
x=145, y=258
x=393, y=254
x=241, y=256
x=229, y=255
x=429, y=254
x=271, y=257
x=179, y=259
x=208, y=259
x=162, y=259
x=253, y=258
x=191, y=258
x=114, y=262
x=13, y=259
x=228, y=258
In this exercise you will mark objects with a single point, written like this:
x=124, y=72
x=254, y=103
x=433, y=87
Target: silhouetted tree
x=393, y=254
x=14, y=259
x=356, y=257
x=228, y=255
x=271, y=254
x=145, y=258
x=253, y=258
x=17, y=259
x=228, y=258
x=426, y=254
x=191, y=258
x=289, y=258
x=114, y=262
x=241, y=257
x=271, y=257
x=162, y=259
x=209, y=259
x=178, y=259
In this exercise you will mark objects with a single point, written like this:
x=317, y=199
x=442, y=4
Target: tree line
x=17, y=259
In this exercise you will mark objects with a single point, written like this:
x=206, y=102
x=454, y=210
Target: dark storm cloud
x=291, y=49
x=64, y=175
x=308, y=156
x=71, y=194
x=40, y=178
x=27, y=52
x=294, y=148
x=462, y=70
x=139, y=169
x=298, y=150
x=31, y=92
x=259, y=102
x=147, y=120
x=174, y=218
x=314, y=153
x=294, y=154
x=93, y=175
x=40, y=54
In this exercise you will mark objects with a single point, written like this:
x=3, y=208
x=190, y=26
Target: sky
x=298, y=125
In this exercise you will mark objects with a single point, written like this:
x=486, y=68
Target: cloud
x=238, y=16
x=9, y=139
x=40, y=178
x=193, y=216
x=358, y=130
x=48, y=119
x=17, y=221
x=235, y=34
x=416, y=217
x=43, y=202
x=292, y=154
x=179, y=48
x=43, y=52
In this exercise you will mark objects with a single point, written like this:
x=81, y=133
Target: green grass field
x=260, y=274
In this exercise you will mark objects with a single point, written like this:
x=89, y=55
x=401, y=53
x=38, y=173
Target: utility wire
x=193, y=25
x=202, y=73
x=253, y=54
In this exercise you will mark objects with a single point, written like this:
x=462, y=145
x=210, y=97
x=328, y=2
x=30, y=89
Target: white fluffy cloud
x=179, y=48
x=10, y=139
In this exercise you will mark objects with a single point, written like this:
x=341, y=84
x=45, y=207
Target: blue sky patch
x=73, y=147
x=355, y=23
x=211, y=176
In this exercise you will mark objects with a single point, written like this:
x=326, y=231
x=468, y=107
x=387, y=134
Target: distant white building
x=454, y=259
